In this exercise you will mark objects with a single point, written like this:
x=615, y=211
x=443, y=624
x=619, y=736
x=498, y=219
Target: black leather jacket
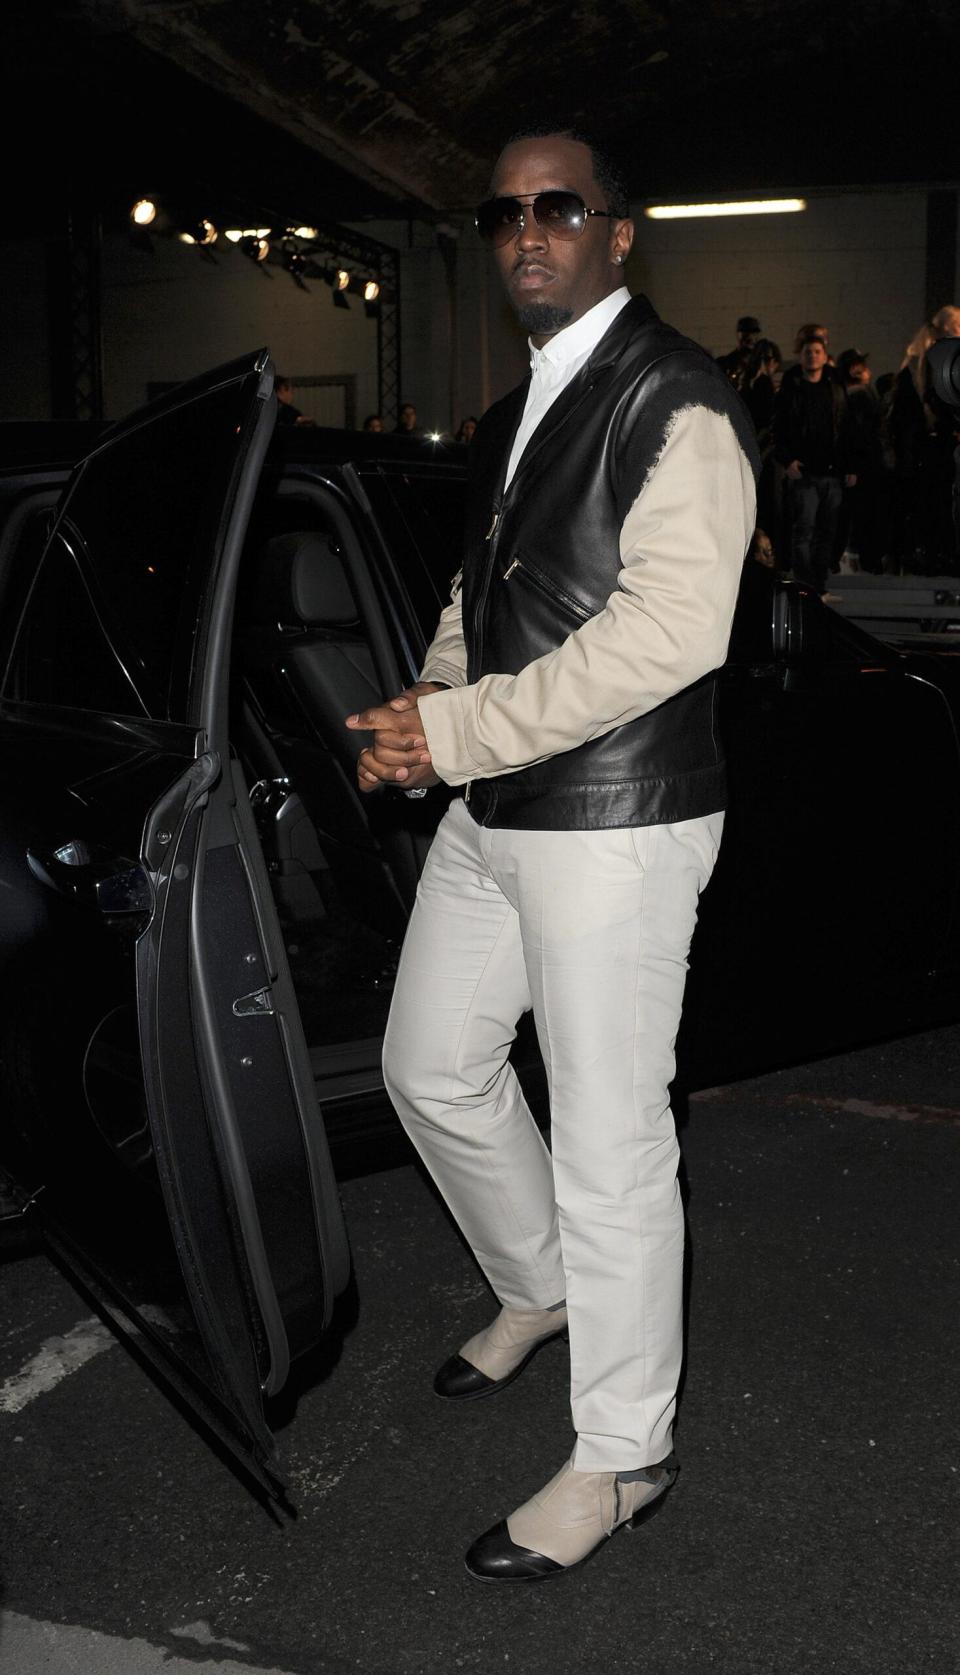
x=543, y=558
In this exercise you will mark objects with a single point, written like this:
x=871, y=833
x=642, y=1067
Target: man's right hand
x=396, y=755
x=795, y=469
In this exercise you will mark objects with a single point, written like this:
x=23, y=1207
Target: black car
x=200, y=917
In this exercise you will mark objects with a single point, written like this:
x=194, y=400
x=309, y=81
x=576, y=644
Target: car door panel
x=197, y=1192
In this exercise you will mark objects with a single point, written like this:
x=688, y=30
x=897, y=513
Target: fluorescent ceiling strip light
x=755, y=206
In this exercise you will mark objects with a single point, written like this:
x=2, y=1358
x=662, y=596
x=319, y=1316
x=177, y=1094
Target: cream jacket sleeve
x=446, y=659
x=682, y=548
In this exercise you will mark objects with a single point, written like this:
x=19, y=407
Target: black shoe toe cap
x=457, y=1380
x=495, y=1558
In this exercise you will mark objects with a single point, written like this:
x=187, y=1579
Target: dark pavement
x=814, y=1526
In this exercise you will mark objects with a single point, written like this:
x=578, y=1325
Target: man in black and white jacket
x=570, y=690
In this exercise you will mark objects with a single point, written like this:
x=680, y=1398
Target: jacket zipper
x=551, y=591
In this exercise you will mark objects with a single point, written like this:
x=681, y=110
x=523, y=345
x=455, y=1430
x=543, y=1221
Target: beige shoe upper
x=502, y=1345
x=576, y=1510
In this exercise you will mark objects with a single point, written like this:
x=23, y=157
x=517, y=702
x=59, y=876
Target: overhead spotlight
x=310, y=234
x=340, y=300
x=236, y=235
x=258, y=249
x=144, y=212
x=295, y=266
x=198, y=232
x=343, y=279
x=371, y=291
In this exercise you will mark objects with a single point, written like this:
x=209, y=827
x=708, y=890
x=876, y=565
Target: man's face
x=551, y=282
x=859, y=373
x=746, y=340
x=408, y=417
x=813, y=356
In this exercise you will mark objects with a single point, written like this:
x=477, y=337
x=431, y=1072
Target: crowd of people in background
x=858, y=474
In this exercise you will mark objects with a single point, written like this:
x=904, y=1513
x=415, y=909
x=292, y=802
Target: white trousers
x=591, y=929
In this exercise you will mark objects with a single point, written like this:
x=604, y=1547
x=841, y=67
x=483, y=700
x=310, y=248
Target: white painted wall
x=854, y=262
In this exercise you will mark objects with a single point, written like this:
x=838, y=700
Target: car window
x=62, y=655
x=143, y=517
x=421, y=516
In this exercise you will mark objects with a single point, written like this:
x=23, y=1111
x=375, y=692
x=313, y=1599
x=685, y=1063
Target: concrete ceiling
x=357, y=108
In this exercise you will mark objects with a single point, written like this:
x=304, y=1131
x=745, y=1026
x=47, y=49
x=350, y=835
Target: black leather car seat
x=306, y=662
x=303, y=592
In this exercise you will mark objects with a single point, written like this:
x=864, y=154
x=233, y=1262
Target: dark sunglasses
x=561, y=214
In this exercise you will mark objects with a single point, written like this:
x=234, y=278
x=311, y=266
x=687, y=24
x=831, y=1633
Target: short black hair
x=607, y=171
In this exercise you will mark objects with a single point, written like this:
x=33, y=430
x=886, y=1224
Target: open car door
x=162, y=1086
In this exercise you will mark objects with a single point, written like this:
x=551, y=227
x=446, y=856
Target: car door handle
x=86, y=873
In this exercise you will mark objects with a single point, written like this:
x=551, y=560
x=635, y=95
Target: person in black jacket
x=923, y=432
x=737, y=363
x=863, y=523
x=811, y=442
x=570, y=690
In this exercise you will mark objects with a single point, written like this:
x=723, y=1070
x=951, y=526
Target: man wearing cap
x=735, y=364
x=570, y=690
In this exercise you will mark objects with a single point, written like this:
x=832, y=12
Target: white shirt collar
x=576, y=341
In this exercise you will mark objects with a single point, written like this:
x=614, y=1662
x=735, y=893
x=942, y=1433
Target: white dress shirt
x=560, y=359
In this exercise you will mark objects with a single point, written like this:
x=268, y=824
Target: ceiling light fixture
x=748, y=206
x=296, y=267
x=144, y=212
x=371, y=291
x=343, y=279
x=198, y=232
x=258, y=249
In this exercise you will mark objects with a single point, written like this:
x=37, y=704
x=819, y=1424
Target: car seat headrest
x=302, y=580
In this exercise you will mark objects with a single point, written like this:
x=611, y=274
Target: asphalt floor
x=813, y=1527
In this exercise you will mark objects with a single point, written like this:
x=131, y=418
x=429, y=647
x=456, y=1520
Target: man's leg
x=461, y=987
x=803, y=499
x=830, y=493
x=606, y=920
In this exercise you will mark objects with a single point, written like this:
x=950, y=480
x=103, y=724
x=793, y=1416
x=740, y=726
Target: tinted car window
x=62, y=654
x=421, y=515
x=143, y=519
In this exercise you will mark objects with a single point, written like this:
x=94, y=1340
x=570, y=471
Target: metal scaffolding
x=73, y=314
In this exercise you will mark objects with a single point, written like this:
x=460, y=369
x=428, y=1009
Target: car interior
x=311, y=647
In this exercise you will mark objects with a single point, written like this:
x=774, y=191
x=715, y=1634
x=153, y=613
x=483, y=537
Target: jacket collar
x=638, y=313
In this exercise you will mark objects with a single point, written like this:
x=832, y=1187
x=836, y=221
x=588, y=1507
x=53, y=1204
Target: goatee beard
x=542, y=319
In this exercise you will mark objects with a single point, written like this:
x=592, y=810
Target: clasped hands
x=398, y=754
